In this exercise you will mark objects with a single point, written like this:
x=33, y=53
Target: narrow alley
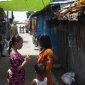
x=62, y=21
x=27, y=49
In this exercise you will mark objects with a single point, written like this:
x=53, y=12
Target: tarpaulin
x=24, y=5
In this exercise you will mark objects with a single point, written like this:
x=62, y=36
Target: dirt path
x=4, y=65
x=27, y=49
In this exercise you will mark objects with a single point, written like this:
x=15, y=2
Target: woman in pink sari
x=16, y=72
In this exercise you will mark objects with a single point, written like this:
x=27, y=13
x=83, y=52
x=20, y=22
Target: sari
x=46, y=58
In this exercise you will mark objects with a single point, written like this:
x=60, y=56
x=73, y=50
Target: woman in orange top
x=46, y=56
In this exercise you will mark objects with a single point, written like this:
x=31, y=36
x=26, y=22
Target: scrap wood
x=75, y=7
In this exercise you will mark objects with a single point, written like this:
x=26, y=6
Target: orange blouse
x=46, y=57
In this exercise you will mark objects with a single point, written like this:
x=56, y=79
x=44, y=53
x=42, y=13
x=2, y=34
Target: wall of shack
x=72, y=36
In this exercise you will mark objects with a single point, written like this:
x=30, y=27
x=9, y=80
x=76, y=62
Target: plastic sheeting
x=24, y=5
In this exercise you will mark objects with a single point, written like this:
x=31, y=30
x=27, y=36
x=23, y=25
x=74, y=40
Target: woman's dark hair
x=40, y=68
x=45, y=41
x=14, y=39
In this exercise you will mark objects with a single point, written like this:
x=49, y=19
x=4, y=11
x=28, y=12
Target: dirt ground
x=28, y=49
x=4, y=65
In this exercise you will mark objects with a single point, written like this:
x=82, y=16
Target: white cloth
x=44, y=82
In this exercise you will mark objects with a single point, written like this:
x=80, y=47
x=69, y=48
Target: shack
x=67, y=32
x=72, y=26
